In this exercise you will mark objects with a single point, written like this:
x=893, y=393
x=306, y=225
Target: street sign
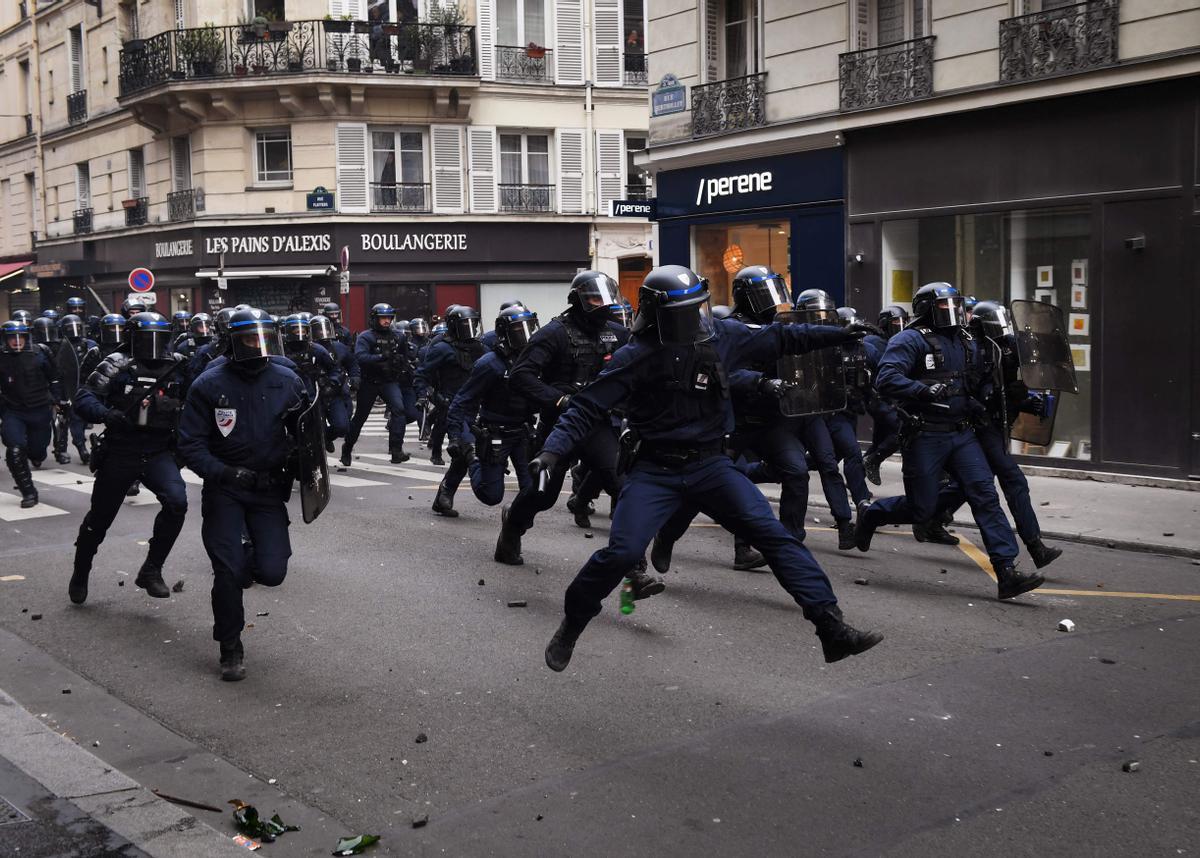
x=147, y=298
x=320, y=199
x=345, y=257
x=670, y=97
x=222, y=282
x=633, y=208
x=344, y=283
x=141, y=280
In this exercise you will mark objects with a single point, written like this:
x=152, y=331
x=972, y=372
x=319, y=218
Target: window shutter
x=447, y=142
x=351, y=156
x=76, y=40
x=481, y=156
x=606, y=30
x=568, y=41
x=860, y=25
x=83, y=187
x=137, y=174
x=570, y=170
x=712, y=40
x=179, y=23
x=610, y=168
x=485, y=28
x=181, y=163
x=918, y=23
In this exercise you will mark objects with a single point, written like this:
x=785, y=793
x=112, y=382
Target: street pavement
x=704, y=722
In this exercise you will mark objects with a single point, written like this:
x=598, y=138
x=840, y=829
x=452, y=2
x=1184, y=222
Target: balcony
x=400, y=197
x=81, y=220
x=526, y=198
x=730, y=105
x=77, y=107
x=287, y=48
x=637, y=191
x=636, y=70
x=136, y=211
x=890, y=74
x=1059, y=41
x=183, y=205
x=524, y=64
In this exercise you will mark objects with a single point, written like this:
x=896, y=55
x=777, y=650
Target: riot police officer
x=44, y=331
x=934, y=371
x=333, y=312
x=73, y=352
x=77, y=306
x=111, y=339
x=445, y=367
x=217, y=346
x=314, y=364
x=418, y=333
x=673, y=382
x=131, y=306
x=235, y=435
x=138, y=399
x=346, y=378
x=843, y=424
x=434, y=406
x=179, y=322
x=199, y=333
x=885, y=421
x=383, y=355
x=28, y=386
x=490, y=338
x=487, y=423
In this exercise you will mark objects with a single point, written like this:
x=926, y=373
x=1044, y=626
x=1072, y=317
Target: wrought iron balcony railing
x=81, y=220
x=181, y=205
x=517, y=63
x=890, y=74
x=729, y=105
x=637, y=191
x=1059, y=41
x=77, y=107
x=138, y=213
x=400, y=197
x=526, y=198
x=297, y=47
x=636, y=71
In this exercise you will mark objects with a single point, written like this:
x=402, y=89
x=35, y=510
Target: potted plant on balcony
x=134, y=46
x=353, y=64
x=338, y=25
x=130, y=204
x=535, y=51
x=202, y=48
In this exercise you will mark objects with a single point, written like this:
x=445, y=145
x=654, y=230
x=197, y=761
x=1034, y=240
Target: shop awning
x=243, y=273
x=12, y=269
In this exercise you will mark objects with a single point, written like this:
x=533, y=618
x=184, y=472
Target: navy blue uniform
x=236, y=419
x=29, y=386
x=885, y=420
x=945, y=440
x=346, y=379
x=139, y=402
x=443, y=369
x=76, y=425
x=489, y=340
x=383, y=359
x=677, y=401
x=843, y=425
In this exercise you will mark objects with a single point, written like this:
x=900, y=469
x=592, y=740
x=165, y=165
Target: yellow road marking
x=981, y=559
x=8, y=578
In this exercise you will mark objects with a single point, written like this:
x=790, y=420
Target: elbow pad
x=100, y=380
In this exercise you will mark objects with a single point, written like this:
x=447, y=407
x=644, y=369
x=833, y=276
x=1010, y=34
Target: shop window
x=723, y=249
x=1036, y=255
x=273, y=156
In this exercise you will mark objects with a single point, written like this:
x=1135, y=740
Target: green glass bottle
x=627, y=604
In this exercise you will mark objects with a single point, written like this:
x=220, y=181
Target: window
x=273, y=156
x=180, y=21
x=525, y=173
x=721, y=250
x=137, y=174
x=730, y=39
x=75, y=40
x=1035, y=255
x=272, y=10
x=636, y=180
x=181, y=163
x=398, y=178
x=129, y=15
x=886, y=22
x=83, y=186
x=519, y=22
x=635, y=26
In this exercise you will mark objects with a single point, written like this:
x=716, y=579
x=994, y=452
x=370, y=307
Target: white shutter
x=481, y=157
x=485, y=27
x=712, y=40
x=181, y=163
x=137, y=174
x=568, y=41
x=447, y=143
x=83, y=187
x=75, y=35
x=570, y=170
x=860, y=25
x=606, y=31
x=610, y=168
x=179, y=21
x=351, y=157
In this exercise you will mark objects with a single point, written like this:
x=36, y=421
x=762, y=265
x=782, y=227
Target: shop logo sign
x=710, y=190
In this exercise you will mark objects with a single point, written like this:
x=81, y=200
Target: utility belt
x=274, y=480
x=676, y=455
x=490, y=439
x=131, y=444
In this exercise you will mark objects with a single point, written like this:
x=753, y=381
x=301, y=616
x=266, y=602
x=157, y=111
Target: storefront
x=785, y=212
x=1086, y=202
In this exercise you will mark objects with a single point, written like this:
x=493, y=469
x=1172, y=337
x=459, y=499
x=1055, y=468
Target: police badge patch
x=226, y=420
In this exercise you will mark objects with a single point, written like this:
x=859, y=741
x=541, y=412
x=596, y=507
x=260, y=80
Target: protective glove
x=856, y=331
x=457, y=448
x=1037, y=405
x=242, y=478
x=773, y=387
x=115, y=418
x=563, y=402
x=544, y=462
x=935, y=392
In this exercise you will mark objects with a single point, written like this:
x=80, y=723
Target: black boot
x=660, y=554
x=443, y=501
x=935, y=532
x=1042, y=554
x=864, y=528
x=347, y=449
x=77, y=589
x=580, y=511
x=85, y=458
x=845, y=532
x=232, y=657
x=643, y=584
x=1012, y=582
x=838, y=639
x=746, y=558
x=329, y=445
x=562, y=645
x=399, y=457
x=435, y=458
x=150, y=579
x=508, y=545
x=18, y=466
x=61, y=457
x=871, y=466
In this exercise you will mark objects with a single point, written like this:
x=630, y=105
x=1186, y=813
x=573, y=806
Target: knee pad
x=270, y=573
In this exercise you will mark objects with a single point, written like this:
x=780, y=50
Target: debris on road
x=243, y=840
x=247, y=820
x=356, y=845
x=1047, y=753
x=120, y=583
x=1131, y=766
x=66, y=691
x=480, y=582
x=862, y=582
x=858, y=763
x=263, y=614
x=1108, y=661
x=1066, y=626
x=587, y=534
x=1172, y=533
x=421, y=739
x=518, y=603
x=35, y=616
x=186, y=802
x=421, y=821
x=177, y=587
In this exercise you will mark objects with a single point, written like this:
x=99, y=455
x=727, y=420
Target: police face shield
x=817, y=313
x=296, y=332
x=152, y=343
x=767, y=294
x=72, y=329
x=15, y=341
x=623, y=316
x=599, y=295
x=201, y=329
x=467, y=329
x=111, y=334
x=519, y=330
x=948, y=311
x=893, y=325
x=685, y=324
x=995, y=322
x=253, y=341
x=321, y=328
x=418, y=328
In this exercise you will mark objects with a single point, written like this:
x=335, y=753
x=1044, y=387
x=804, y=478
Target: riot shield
x=1042, y=345
x=425, y=420
x=817, y=379
x=312, y=471
x=67, y=364
x=1036, y=430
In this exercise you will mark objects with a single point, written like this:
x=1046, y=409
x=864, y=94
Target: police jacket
x=238, y=419
x=148, y=393
x=316, y=366
x=562, y=358
x=679, y=395
x=918, y=357
x=347, y=364
x=29, y=379
x=1009, y=396
x=447, y=364
x=489, y=339
x=751, y=407
x=486, y=396
x=384, y=357
x=205, y=355
x=343, y=335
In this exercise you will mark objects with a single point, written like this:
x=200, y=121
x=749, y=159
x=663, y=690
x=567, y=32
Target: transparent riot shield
x=1042, y=346
x=816, y=380
x=1036, y=430
x=313, y=470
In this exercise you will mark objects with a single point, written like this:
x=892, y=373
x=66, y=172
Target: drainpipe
x=589, y=108
x=39, y=168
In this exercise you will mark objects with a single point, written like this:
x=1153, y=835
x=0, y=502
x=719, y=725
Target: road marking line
x=10, y=510
x=981, y=559
x=7, y=578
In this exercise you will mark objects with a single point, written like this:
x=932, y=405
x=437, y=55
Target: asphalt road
x=706, y=721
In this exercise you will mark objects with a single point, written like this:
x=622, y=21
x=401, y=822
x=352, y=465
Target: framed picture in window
x=1078, y=272
x=1045, y=277
x=1046, y=296
x=1081, y=356
x=1079, y=297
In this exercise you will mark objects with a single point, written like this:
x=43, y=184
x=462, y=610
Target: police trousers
x=227, y=513
x=994, y=443
x=843, y=431
x=337, y=415
x=401, y=401
x=885, y=433
x=598, y=450
x=487, y=470
x=29, y=429
x=814, y=432
x=652, y=493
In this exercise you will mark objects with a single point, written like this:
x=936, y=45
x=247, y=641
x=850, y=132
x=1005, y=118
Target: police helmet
x=22, y=316
x=462, y=323
x=849, y=316
x=243, y=307
x=200, y=326
x=112, y=330
x=515, y=325
x=16, y=336
x=50, y=314
x=991, y=318
x=673, y=304
x=816, y=307
x=297, y=331
x=150, y=336
x=132, y=306
x=179, y=321
x=44, y=330
x=418, y=327
x=758, y=292
x=439, y=328
x=969, y=302
x=939, y=305
x=401, y=325
x=382, y=316
x=76, y=305
x=221, y=322
x=515, y=302
x=70, y=326
x=595, y=295
x=623, y=316
x=332, y=311
x=892, y=319
x=253, y=338
x=321, y=328
x=721, y=311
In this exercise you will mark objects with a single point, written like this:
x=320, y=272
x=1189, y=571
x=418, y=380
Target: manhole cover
x=9, y=813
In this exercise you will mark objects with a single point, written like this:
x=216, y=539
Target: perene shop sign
x=777, y=181
x=744, y=183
